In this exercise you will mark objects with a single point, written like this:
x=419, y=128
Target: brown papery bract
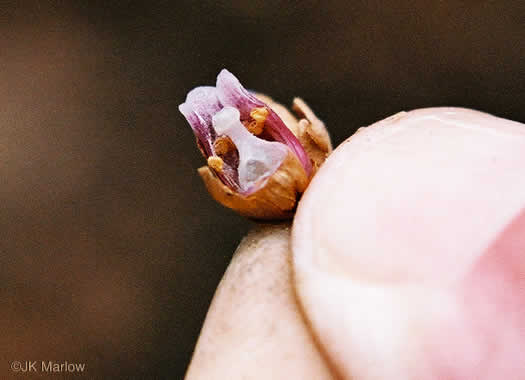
x=277, y=199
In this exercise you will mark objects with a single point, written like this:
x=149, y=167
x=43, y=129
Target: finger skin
x=254, y=328
x=394, y=252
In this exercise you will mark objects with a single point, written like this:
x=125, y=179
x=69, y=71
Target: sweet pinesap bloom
x=260, y=158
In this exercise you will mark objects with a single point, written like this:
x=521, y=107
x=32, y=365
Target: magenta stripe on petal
x=198, y=109
x=231, y=93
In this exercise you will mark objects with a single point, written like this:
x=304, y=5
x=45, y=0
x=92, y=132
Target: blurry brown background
x=110, y=247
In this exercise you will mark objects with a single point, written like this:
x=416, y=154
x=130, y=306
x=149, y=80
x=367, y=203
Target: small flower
x=258, y=165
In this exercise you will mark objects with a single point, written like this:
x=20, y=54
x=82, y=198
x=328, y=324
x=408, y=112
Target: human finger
x=254, y=328
x=388, y=243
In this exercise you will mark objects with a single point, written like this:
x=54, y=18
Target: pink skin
x=420, y=273
x=408, y=260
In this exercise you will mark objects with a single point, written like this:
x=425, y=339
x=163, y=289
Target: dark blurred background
x=110, y=247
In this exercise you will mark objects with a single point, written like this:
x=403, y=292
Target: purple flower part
x=231, y=93
x=202, y=103
x=200, y=106
x=198, y=109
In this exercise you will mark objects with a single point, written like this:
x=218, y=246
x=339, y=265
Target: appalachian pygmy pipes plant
x=260, y=157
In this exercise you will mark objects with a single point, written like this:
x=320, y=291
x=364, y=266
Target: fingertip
x=399, y=215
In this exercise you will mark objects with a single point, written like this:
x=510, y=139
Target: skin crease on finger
x=409, y=249
x=254, y=328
